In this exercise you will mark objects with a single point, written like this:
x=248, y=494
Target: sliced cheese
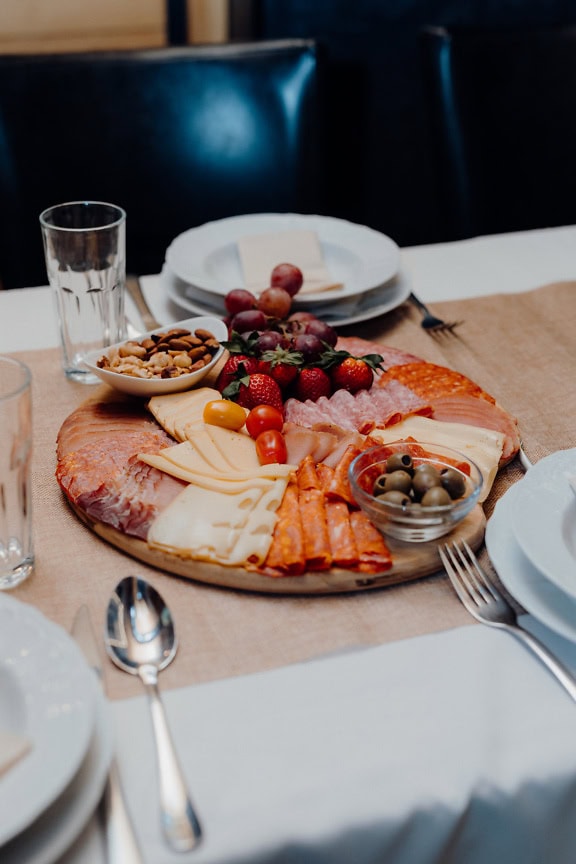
x=237, y=448
x=175, y=410
x=482, y=446
x=187, y=463
x=224, y=528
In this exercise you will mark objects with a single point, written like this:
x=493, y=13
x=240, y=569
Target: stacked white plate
x=50, y=696
x=531, y=540
x=203, y=265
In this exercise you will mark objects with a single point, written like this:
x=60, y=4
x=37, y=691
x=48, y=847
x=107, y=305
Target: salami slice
x=287, y=556
x=429, y=381
x=391, y=356
x=342, y=540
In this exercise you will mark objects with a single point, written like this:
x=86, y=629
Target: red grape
x=248, y=320
x=269, y=340
x=310, y=345
x=239, y=300
x=324, y=331
x=287, y=276
x=275, y=302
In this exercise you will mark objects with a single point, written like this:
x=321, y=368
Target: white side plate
x=359, y=257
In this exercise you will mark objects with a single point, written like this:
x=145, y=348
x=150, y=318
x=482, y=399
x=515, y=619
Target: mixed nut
x=168, y=354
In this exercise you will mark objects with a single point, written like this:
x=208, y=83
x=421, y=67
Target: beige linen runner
x=520, y=348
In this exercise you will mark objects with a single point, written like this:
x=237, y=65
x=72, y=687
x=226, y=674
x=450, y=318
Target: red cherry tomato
x=271, y=447
x=264, y=417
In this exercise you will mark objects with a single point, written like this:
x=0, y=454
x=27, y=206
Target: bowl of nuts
x=167, y=360
x=415, y=491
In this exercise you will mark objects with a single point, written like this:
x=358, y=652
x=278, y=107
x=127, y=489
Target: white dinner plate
x=523, y=580
x=54, y=832
x=372, y=304
x=47, y=693
x=544, y=520
x=358, y=257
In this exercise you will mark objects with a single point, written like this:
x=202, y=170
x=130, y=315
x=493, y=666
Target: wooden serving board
x=411, y=561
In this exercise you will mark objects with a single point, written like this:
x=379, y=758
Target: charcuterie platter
x=156, y=481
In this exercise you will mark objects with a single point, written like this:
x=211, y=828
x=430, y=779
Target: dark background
x=377, y=158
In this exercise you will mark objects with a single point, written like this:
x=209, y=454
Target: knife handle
x=121, y=844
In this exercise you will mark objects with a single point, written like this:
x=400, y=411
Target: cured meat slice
x=287, y=556
x=373, y=553
x=339, y=488
x=98, y=469
x=391, y=356
x=462, y=408
x=361, y=412
x=429, y=380
x=315, y=529
x=342, y=540
x=306, y=476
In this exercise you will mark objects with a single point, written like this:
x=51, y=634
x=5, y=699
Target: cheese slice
x=187, y=463
x=237, y=448
x=230, y=529
x=260, y=253
x=482, y=446
x=174, y=410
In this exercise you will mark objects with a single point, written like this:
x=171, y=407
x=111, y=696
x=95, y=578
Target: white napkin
x=260, y=253
x=12, y=748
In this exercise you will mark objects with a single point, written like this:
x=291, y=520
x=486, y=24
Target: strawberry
x=255, y=389
x=312, y=383
x=236, y=366
x=352, y=374
x=282, y=365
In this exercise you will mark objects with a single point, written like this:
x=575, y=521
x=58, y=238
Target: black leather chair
x=503, y=112
x=176, y=136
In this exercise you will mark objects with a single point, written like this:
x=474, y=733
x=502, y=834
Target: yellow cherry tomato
x=223, y=412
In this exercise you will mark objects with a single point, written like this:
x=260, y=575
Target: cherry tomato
x=223, y=412
x=264, y=417
x=271, y=447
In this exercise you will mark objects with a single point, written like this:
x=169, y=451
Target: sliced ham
x=463, y=408
x=361, y=412
x=98, y=470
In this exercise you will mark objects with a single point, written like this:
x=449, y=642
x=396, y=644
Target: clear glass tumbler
x=85, y=251
x=16, y=544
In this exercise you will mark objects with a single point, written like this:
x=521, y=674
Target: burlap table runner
x=520, y=348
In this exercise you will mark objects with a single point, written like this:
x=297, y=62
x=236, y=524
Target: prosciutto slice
x=98, y=470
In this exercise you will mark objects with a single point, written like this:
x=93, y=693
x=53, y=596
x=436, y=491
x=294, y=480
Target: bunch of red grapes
x=270, y=315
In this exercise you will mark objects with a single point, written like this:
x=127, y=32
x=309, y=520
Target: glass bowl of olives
x=415, y=491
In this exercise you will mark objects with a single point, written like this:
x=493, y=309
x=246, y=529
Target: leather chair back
x=177, y=136
x=503, y=111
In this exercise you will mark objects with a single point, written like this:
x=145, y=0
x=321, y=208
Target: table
x=381, y=726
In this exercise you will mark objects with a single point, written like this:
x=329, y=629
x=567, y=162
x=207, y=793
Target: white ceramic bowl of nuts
x=167, y=360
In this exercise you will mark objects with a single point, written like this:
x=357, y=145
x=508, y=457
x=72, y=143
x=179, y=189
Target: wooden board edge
x=414, y=561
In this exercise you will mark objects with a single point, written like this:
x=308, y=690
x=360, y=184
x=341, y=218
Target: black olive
x=399, y=462
x=399, y=480
x=453, y=481
x=436, y=496
x=379, y=485
x=424, y=480
x=395, y=496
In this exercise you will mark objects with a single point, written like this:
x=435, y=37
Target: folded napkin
x=12, y=748
x=260, y=253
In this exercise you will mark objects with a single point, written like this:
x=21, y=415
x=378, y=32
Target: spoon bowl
x=140, y=639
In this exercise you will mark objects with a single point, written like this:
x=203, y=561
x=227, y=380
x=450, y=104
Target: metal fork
x=485, y=602
x=429, y=321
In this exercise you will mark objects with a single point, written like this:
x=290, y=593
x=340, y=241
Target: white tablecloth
x=454, y=747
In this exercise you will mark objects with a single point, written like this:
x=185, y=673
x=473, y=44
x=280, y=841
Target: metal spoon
x=140, y=639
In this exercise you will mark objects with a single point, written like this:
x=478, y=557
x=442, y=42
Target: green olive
x=399, y=462
x=436, y=496
x=395, y=496
x=380, y=485
x=399, y=480
x=453, y=481
x=424, y=480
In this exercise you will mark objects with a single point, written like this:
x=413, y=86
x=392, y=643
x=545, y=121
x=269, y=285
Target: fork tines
x=468, y=579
